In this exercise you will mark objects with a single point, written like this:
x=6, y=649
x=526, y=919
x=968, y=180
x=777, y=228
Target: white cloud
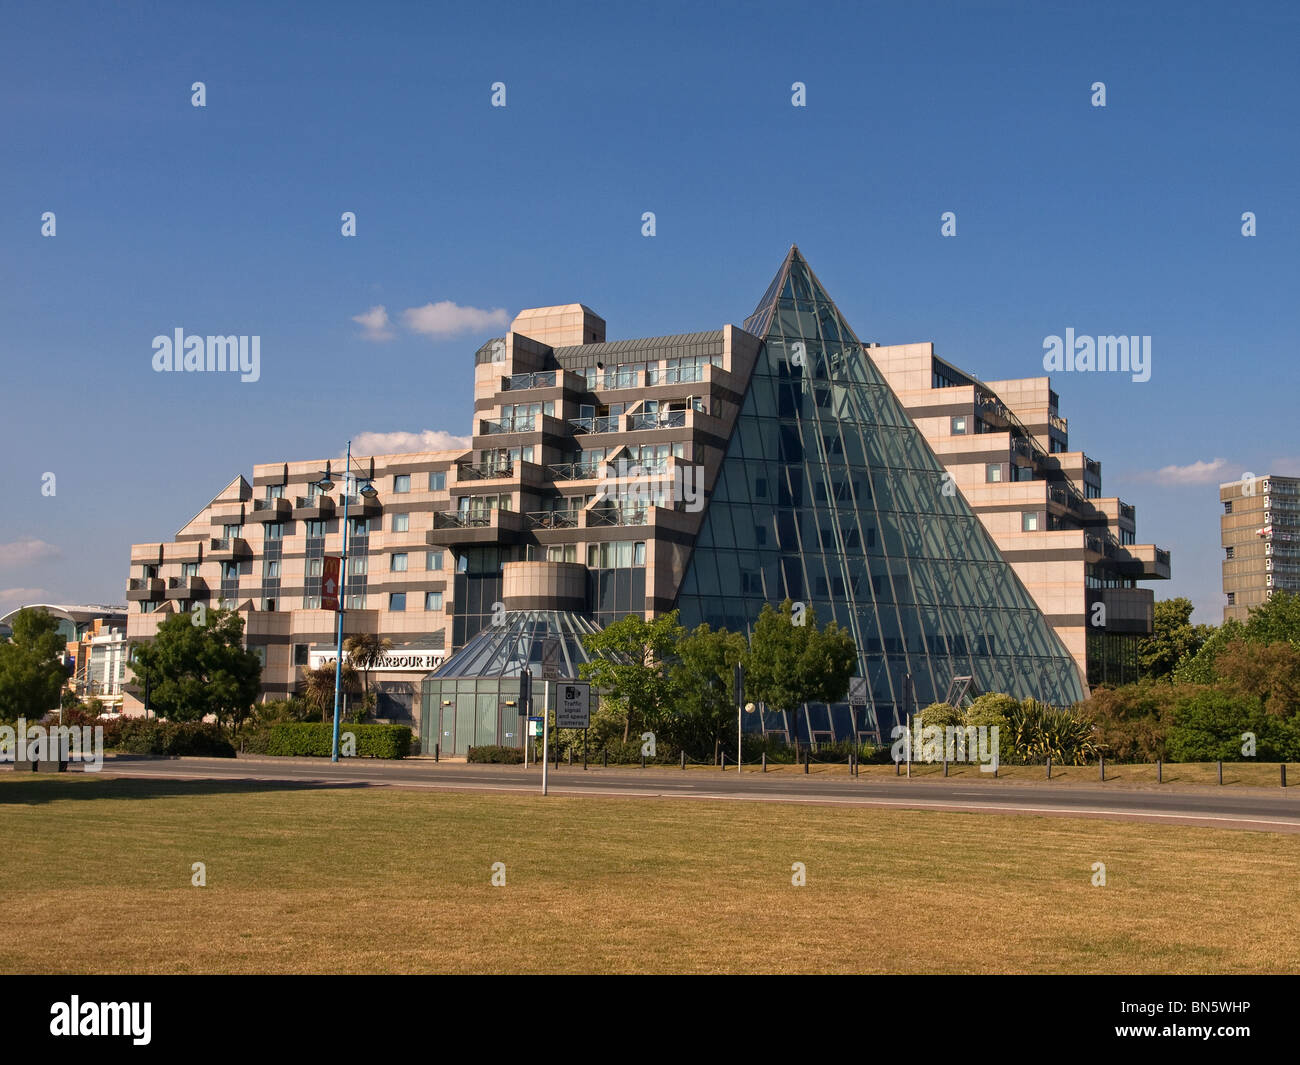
x=13, y=598
x=399, y=443
x=446, y=319
x=374, y=323
x=1212, y=472
x=26, y=551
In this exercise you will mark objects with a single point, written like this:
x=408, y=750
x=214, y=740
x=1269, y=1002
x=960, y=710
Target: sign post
x=740, y=728
x=550, y=672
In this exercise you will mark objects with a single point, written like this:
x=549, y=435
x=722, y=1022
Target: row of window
x=401, y=485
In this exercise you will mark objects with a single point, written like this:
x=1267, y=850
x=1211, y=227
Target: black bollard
x=1049, y=767
x=604, y=758
x=1160, y=771
x=683, y=760
x=765, y=766
x=1220, y=772
x=1101, y=761
x=1284, y=774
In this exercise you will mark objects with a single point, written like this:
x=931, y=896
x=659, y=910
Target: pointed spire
x=795, y=280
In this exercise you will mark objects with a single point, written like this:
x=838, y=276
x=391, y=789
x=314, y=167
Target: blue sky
x=225, y=219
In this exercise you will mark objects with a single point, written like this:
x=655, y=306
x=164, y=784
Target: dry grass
x=303, y=879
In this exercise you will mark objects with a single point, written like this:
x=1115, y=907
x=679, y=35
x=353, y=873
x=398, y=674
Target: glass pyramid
x=830, y=495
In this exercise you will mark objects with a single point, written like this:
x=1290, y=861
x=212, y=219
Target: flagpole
x=343, y=583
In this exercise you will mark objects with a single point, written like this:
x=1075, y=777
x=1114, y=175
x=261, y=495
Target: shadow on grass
x=33, y=788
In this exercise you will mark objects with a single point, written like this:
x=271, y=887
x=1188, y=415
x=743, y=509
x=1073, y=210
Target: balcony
x=618, y=517
x=666, y=419
x=186, y=588
x=313, y=508
x=576, y=471
x=144, y=588
x=487, y=471
x=1061, y=425
x=271, y=510
x=612, y=380
x=552, y=519
x=521, y=381
x=1145, y=561
x=229, y=549
x=455, y=527
x=360, y=505
x=526, y=423
x=581, y=426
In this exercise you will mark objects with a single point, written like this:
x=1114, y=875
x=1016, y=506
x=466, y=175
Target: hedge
x=494, y=754
x=316, y=739
x=152, y=736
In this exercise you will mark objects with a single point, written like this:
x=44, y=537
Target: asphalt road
x=1259, y=809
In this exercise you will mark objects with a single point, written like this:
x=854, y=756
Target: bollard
x=765, y=764
x=604, y=758
x=1101, y=761
x=683, y=761
x=897, y=767
x=1220, y=771
x=945, y=765
x=570, y=756
x=643, y=759
x=1160, y=771
x=807, y=759
x=723, y=761
x=436, y=748
x=1284, y=774
x=1049, y=767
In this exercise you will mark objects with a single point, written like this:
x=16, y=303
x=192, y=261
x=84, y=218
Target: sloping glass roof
x=503, y=650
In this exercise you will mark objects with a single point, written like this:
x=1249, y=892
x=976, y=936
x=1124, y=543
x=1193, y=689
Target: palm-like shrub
x=1038, y=732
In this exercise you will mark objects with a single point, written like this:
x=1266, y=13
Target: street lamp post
x=366, y=488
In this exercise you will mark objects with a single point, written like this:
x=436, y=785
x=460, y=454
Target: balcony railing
x=680, y=375
x=1061, y=425
x=594, y=425
x=1127, y=511
x=520, y=381
x=667, y=419
x=468, y=471
x=619, y=379
x=607, y=516
x=451, y=519
x=552, y=519
x=526, y=423
x=576, y=471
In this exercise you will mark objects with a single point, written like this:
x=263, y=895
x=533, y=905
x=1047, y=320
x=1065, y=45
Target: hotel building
x=708, y=472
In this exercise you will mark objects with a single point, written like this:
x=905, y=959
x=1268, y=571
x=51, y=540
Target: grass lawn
x=97, y=874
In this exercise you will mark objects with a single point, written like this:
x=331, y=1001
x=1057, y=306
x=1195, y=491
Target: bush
x=629, y=753
x=495, y=755
x=193, y=739
x=1208, y=727
x=316, y=739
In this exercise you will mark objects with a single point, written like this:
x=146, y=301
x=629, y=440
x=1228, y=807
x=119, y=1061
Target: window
x=959, y=426
x=189, y=569
x=396, y=600
x=399, y=562
x=1227, y=507
x=433, y=600
x=360, y=526
x=230, y=571
x=993, y=472
x=275, y=531
x=275, y=491
x=356, y=602
x=232, y=532
x=300, y=654
x=268, y=604
x=437, y=482
x=401, y=483
x=1232, y=599
x=638, y=553
x=1029, y=521
x=401, y=522
x=271, y=567
x=1229, y=551
x=358, y=565
x=315, y=567
x=433, y=560
x=315, y=530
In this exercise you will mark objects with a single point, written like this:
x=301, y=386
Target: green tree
x=1275, y=620
x=32, y=674
x=365, y=650
x=1173, y=638
x=702, y=677
x=629, y=661
x=1208, y=726
x=196, y=670
x=1200, y=668
x=318, y=688
x=1268, y=672
x=790, y=663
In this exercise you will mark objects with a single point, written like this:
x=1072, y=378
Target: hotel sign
x=403, y=661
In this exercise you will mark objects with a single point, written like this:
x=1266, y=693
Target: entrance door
x=464, y=722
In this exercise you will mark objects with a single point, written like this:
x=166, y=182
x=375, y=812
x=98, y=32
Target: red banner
x=330, y=592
